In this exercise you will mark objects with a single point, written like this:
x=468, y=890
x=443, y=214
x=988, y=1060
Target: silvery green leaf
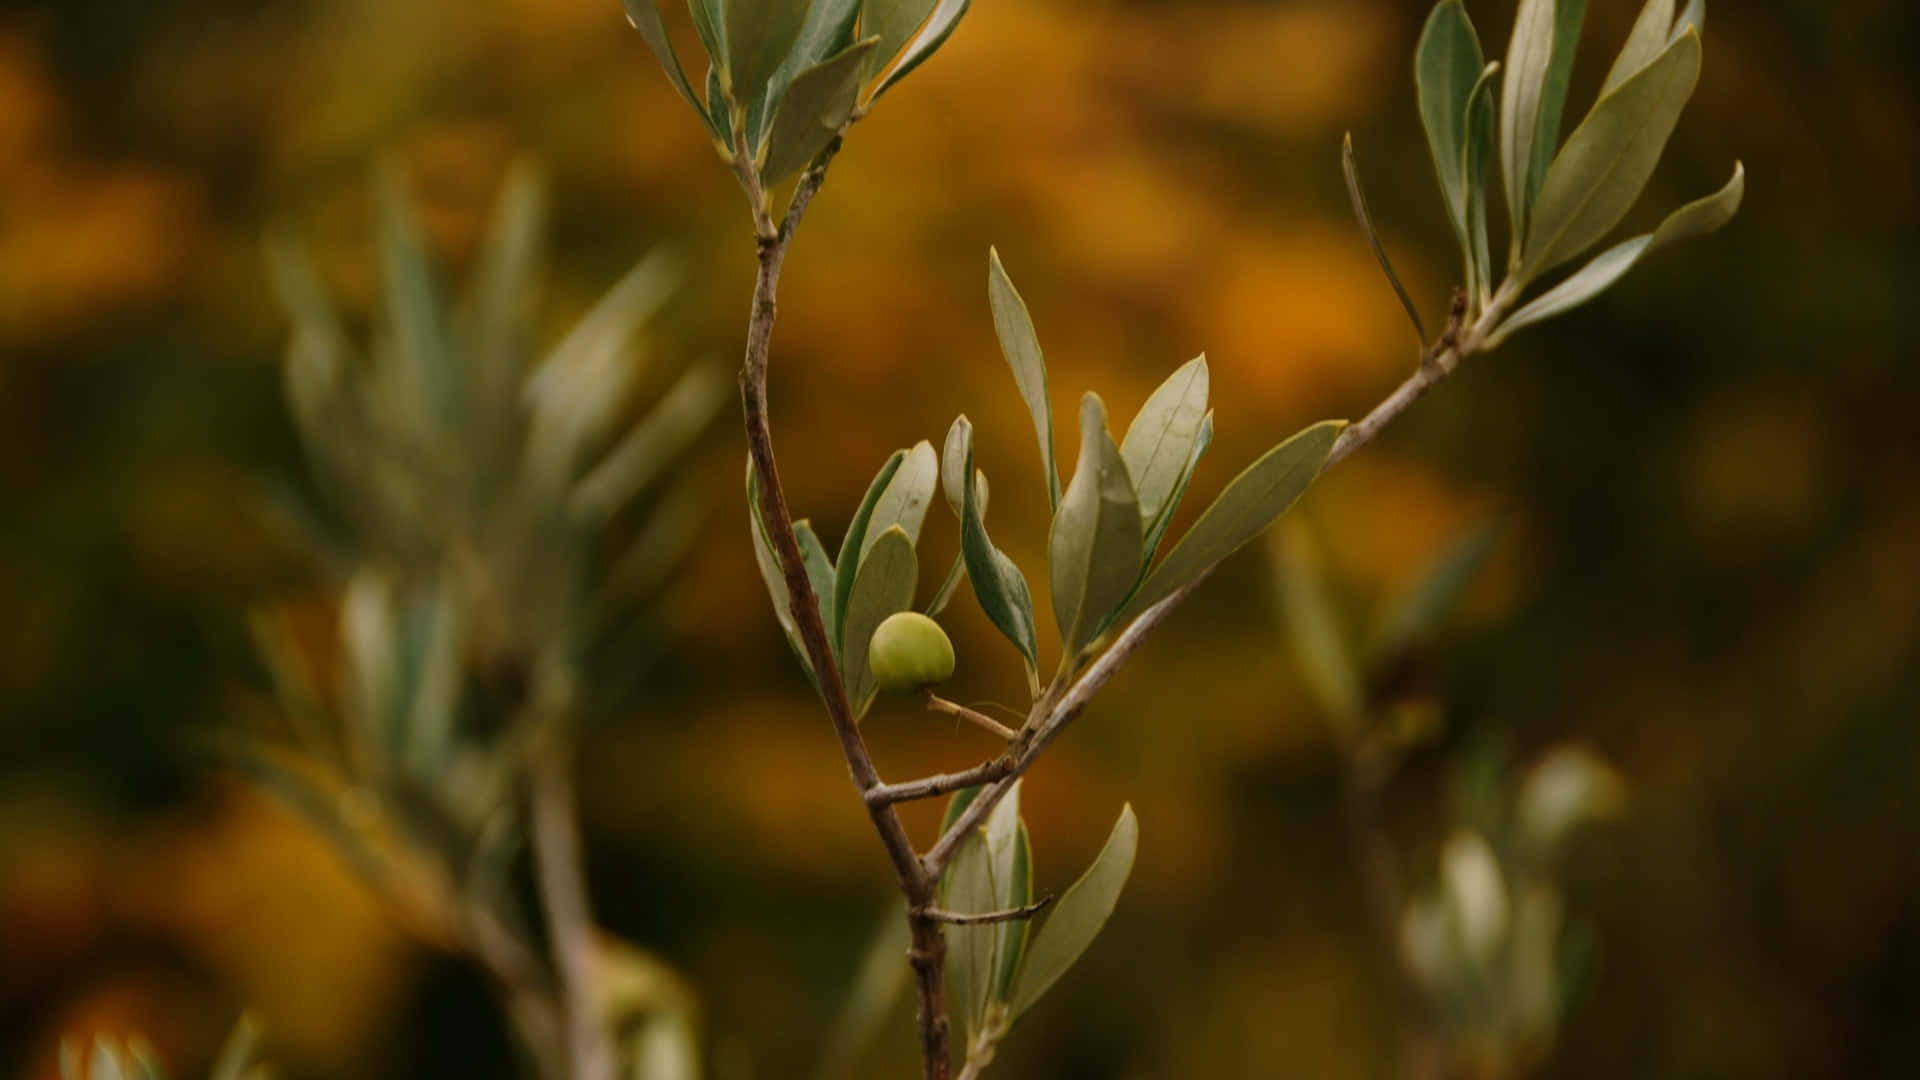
x=933, y=34
x=953, y=470
x=819, y=571
x=1694, y=18
x=759, y=35
x=907, y=496
x=1529, y=58
x=1477, y=155
x=1446, y=64
x=848, y=565
x=498, y=326
x=827, y=31
x=1012, y=887
x=1567, y=18
x=885, y=585
x=1651, y=32
x=967, y=886
x=812, y=111
x=1077, y=917
x=1607, y=161
x=1358, y=198
x=997, y=582
x=1694, y=219
x=1093, y=550
x=437, y=683
x=894, y=22
x=1014, y=934
x=645, y=452
x=776, y=580
x=1260, y=494
x=644, y=15
x=1314, y=630
x=1159, y=528
x=1160, y=440
x=1022, y=349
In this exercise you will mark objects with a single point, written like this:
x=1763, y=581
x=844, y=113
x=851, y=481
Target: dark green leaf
x=894, y=22
x=1094, y=547
x=1359, y=200
x=1694, y=219
x=1078, y=916
x=1022, y=349
x=710, y=23
x=812, y=112
x=848, y=565
x=760, y=34
x=1447, y=62
x=1249, y=504
x=1013, y=935
x=997, y=582
x=1651, y=32
x=717, y=116
x=1012, y=885
x=885, y=586
x=644, y=15
x=1478, y=156
x=938, y=28
x=1606, y=163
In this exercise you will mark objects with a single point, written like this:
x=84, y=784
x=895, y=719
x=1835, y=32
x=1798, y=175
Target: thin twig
x=928, y=950
x=932, y=787
x=936, y=703
x=957, y=918
x=563, y=892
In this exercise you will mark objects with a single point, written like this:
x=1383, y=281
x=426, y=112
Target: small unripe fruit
x=909, y=651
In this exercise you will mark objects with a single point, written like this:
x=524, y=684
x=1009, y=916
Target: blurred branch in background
x=1489, y=968
x=498, y=526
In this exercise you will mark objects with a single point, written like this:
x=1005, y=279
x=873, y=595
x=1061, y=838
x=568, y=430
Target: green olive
x=909, y=651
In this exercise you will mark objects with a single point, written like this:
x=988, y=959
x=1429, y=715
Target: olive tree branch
x=1050, y=717
x=928, y=951
x=958, y=918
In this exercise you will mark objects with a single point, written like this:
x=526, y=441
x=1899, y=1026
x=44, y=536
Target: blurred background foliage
x=1710, y=478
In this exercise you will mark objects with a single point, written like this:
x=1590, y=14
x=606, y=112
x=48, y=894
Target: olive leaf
x=1477, y=157
x=1697, y=218
x=1077, y=918
x=847, y=567
x=776, y=579
x=812, y=111
x=1260, y=494
x=1094, y=547
x=1539, y=61
x=1158, y=529
x=1012, y=874
x=717, y=118
x=827, y=31
x=1447, y=63
x=644, y=16
x=956, y=498
x=893, y=22
x=1314, y=631
x=907, y=496
x=934, y=33
x=759, y=35
x=885, y=585
x=819, y=573
x=709, y=21
x=1012, y=948
x=418, y=361
x=997, y=582
x=1694, y=17
x=968, y=886
x=1022, y=349
x=1358, y=198
x=1159, y=442
x=1606, y=163
x=1651, y=32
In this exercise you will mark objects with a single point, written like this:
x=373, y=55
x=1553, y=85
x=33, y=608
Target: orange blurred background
x=1712, y=478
